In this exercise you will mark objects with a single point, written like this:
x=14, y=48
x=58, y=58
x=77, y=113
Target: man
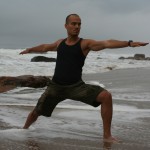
x=67, y=80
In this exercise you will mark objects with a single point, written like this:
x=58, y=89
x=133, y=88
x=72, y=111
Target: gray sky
x=26, y=23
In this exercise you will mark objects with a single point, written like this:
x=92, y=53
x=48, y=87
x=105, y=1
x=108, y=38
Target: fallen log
x=8, y=83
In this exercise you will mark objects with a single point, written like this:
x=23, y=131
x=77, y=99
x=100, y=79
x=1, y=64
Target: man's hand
x=24, y=52
x=43, y=48
x=138, y=44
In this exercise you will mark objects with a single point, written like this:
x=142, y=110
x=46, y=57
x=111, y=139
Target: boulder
x=130, y=57
x=147, y=58
x=122, y=57
x=7, y=82
x=139, y=56
x=42, y=59
x=136, y=57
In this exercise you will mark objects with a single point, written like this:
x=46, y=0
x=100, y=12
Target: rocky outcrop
x=42, y=59
x=7, y=83
x=137, y=57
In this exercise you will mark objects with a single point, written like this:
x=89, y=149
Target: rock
x=121, y=57
x=147, y=58
x=7, y=83
x=139, y=56
x=109, y=68
x=99, y=58
x=130, y=57
x=42, y=59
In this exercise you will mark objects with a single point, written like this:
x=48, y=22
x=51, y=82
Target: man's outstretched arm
x=110, y=44
x=42, y=48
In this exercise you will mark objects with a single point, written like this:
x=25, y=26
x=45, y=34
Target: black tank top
x=70, y=60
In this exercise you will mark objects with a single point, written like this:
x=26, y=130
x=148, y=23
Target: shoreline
x=75, y=130
x=81, y=129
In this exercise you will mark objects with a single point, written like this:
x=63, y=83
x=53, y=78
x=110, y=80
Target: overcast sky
x=26, y=23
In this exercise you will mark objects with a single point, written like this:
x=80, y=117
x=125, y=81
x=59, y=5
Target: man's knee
x=104, y=96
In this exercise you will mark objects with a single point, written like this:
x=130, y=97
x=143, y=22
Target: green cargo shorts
x=56, y=93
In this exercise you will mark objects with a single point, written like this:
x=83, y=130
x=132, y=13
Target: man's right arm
x=42, y=48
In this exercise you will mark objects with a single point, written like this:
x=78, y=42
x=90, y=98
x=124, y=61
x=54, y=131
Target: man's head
x=73, y=24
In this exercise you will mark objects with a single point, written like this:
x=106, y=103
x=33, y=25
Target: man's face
x=73, y=25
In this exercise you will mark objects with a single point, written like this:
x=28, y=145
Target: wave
x=59, y=106
x=120, y=108
x=14, y=64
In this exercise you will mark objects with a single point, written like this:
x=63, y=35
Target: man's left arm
x=111, y=44
x=122, y=44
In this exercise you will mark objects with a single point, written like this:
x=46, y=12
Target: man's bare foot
x=111, y=140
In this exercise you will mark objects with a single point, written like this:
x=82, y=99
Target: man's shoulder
x=85, y=46
x=59, y=41
x=86, y=42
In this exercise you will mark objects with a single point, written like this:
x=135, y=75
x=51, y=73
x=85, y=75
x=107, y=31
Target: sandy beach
x=81, y=129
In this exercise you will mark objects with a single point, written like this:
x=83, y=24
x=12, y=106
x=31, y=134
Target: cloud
x=35, y=21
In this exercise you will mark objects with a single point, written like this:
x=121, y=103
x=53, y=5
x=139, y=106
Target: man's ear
x=65, y=25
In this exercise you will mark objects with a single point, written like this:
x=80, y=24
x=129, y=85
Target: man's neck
x=72, y=40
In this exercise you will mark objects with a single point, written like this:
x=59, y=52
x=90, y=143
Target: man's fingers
x=146, y=44
x=138, y=44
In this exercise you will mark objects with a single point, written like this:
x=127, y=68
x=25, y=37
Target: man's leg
x=32, y=117
x=105, y=99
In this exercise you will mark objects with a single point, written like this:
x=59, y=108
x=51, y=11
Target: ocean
x=13, y=64
x=127, y=80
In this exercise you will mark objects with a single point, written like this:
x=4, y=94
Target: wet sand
x=75, y=130
x=78, y=129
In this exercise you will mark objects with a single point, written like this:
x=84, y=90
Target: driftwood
x=8, y=83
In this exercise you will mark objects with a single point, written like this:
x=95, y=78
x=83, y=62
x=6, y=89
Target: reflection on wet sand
x=107, y=145
x=32, y=145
